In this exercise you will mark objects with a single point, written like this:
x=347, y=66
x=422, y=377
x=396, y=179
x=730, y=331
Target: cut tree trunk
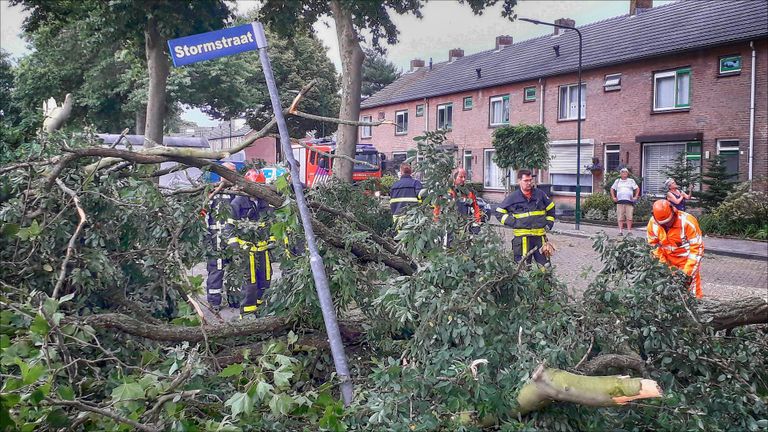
x=548, y=385
x=157, y=62
x=351, y=81
x=723, y=315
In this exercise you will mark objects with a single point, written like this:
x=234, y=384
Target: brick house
x=266, y=148
x=690, y=76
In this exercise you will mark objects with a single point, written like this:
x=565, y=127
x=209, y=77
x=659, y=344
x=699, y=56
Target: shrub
x=743, y=213
x=611, y=177
x=643, y=207
x=611, y=215
x=386, y=183
x=595, y=214
x=719, y=184
x=598, y=201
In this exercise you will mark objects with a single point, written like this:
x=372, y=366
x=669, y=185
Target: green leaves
x=521, y=146
x=232, y=370
x=127, y=392
x=32, y=232
x=239, y=403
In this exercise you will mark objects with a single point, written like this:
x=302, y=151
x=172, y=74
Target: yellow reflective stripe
x=269, y=265
x=529, y=232
x=253, y=267
x=528, y=214
x=501, y=210
x=399, y=200
x=551, y=218
x=504, y=218
x=236, y=240
x=551, y=206
x=525, y=246
x=250, y=308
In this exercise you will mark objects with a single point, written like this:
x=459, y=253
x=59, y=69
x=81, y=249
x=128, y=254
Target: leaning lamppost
x=578, y=117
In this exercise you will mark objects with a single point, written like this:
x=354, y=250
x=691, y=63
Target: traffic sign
x=215, y=44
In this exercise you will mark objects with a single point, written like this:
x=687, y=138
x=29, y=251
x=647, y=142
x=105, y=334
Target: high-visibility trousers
x=521, y=245
x=680, y=262
x=257, y=280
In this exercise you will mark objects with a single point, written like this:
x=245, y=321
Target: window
x=568, y=96
x=730, y=65
x=729, y=150
x=658, y=157
x=529, y=94
x=493, y=176
x=366, y=131
x=612, y=82
x=672, y=90
x=562, y=166
x=401, y=122
x=612, y=157
x=468, y=163
x=399, y=157
x=420, y=110
x=445, y=116
x=499, y=111
x=467, y=103
x=693, y=156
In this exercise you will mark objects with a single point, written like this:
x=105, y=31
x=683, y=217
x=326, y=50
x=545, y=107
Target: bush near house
x=597, y=206
x=386, y=182
x=743, y=213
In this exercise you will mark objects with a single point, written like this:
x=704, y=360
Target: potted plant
x=595, y=167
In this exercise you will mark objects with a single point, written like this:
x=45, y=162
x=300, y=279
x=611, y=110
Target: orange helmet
x=663, y=211
x=252, y=175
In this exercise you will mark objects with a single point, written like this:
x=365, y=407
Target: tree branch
x=728, y=314
x=618, y=361
x=72, y=240
x=104, y=412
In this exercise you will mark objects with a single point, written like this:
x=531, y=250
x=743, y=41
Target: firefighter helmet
x=663, y=211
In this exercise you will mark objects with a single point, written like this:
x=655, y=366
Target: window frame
x=720, y=61
x=612, y=82
x=676, y=73
x=398, y=129
x=730, y=149
x=526, y=97
x=611, y=151
x=419, y=110
x=568, y=92
x=446, y=107
x=464, y=106
x=486, y=159
x=368, y=128
x=467, y=154
x=502, y=99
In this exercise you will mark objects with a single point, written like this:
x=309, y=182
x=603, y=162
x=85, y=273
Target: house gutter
x=541, y=100
x=752, y=112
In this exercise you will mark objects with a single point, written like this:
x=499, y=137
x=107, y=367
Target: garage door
x=656, y=158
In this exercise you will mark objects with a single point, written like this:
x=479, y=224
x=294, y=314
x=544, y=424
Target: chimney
x=455, y=54
x=503, y=41
x=566, y=22
x=416, y=63
x=636, y=7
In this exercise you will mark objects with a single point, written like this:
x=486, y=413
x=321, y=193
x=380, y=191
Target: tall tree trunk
x=351, y=80
x=141, y=120
x=157, y=62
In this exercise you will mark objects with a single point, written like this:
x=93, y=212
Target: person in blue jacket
x=404, y=193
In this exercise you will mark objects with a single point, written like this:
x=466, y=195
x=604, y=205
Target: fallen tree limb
x=172, y=333
x=104, y=412
x=548, y=385
x=72, y=240
x=723, y=315
x=617, y=361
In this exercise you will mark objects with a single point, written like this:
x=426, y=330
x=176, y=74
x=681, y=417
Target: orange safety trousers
x=680, y=246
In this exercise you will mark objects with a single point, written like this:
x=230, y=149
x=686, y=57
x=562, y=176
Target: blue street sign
x=215, y=44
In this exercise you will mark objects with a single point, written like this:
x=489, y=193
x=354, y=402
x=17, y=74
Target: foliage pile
x=78, y=360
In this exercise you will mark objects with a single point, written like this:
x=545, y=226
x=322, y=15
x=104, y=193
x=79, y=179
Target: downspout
x=542, y=83
x=426, y=115
x=752, y=113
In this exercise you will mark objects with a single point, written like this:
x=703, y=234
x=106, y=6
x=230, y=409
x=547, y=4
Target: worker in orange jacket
x=677, y=241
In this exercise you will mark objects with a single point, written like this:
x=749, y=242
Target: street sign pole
x=249, y=37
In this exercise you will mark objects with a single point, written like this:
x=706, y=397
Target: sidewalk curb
x=721, y=252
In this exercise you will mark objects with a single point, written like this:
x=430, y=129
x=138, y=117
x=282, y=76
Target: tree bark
x=617, y=361
x=157, y=63
x=141, y=120
x=547, y=385
x=351, y=81
x=723, y=315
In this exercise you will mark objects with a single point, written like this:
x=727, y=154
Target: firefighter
x=404, y=193
x=677, y=241
x=259, y=271
x=219, y=223
x=530, y=213
x=466, y=204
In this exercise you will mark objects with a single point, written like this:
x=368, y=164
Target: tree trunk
x=351, y=80
x=141, y=120
x=547, y=385
x=157, y=63
x=723, y=315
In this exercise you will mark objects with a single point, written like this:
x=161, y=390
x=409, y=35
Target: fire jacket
x=247, y=209
x=466, y=205
x=681, y=245
x=527, y=217
x=404, y=193
x=219, y=220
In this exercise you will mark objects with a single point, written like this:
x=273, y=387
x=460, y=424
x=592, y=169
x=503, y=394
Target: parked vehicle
x=316, y=168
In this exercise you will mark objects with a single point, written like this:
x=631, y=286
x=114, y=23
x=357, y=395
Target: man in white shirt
x=624, y=193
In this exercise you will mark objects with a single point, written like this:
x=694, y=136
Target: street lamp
x=578, y=117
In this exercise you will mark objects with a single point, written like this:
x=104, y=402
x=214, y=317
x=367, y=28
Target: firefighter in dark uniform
x=404, y=193
x=251, y=213
x=219, y=222
x=530, y=213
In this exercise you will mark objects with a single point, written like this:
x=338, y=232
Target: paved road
x=722, y=276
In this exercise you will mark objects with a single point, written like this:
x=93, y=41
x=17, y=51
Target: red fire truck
x=317, y=169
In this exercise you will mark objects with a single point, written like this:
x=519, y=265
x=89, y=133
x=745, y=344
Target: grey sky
x=446, y=25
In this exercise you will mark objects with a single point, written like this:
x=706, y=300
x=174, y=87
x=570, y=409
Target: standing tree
x=718, y=182
x=521, y=146
x=354, y=19
x=377, y=73
x=685, y=174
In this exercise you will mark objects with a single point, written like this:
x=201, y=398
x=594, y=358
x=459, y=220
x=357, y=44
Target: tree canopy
x=377, y=73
